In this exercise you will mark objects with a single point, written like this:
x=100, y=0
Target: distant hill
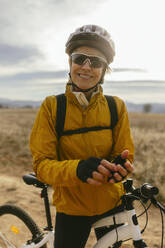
x=18, y=103
x=154, y=107
x=132, y=107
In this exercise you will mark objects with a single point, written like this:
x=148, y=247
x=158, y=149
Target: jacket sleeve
x=122, y=138
x=43, y=145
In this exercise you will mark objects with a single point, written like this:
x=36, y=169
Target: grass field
x=15, y=160
x=147, y=130
x=149, y=138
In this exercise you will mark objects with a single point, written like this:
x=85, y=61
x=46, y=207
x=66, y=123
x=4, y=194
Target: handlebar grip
x=148, y=191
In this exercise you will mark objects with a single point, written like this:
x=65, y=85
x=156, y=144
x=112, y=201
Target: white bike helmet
x=92, y=36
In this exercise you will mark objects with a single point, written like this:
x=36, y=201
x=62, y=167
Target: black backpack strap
x=113, y=110
x=60, y=114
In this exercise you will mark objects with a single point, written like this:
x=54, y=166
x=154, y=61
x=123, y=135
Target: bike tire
x=14, y=213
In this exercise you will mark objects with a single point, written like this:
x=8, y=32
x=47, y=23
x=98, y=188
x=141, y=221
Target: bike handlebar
x=145, y=192
x=148, y=191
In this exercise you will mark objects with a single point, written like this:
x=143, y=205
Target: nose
x=86, y=64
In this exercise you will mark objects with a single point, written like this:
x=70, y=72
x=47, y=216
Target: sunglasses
x=95, y=61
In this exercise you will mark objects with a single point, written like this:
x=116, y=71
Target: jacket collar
x=80, y=96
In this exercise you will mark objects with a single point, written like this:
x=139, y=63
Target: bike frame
x=48, y=238
x=126, y=218
x=129, y=230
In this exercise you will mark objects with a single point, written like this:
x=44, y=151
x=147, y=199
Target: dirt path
x=14, y=191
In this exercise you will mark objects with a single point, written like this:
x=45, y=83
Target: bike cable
x=146, y=209
x=144, y=212
x=162, y=220
x=162, y=210
x=115, y=225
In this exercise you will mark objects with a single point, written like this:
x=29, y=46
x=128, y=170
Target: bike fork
x=134, y=226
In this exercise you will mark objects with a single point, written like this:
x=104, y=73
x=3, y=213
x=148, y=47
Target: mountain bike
x=122, y=219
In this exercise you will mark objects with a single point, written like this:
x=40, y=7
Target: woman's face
x=85, y=76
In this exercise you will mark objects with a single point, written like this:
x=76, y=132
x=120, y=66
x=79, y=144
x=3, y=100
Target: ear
x=70, y=61
x=102, y=77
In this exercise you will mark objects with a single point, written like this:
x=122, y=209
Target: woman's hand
x=115, y=172
x=103, y=170
x=123, y=169
x=93, y=170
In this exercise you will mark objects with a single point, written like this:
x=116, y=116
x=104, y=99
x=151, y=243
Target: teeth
x=84, y=76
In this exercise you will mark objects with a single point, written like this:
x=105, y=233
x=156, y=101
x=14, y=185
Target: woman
x=87, y=184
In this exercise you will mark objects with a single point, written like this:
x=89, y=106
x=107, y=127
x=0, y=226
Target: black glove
x=118, y=160
x=87, y=167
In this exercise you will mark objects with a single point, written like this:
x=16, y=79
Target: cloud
x=26, y=76
x=119, y=69
x=47, y=75
x=11, y=55
x=29, y=27
x=25, y=20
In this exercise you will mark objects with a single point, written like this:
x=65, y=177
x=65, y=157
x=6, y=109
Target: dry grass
x=147, y=130
x=15, y=127
x=149, y=136
x=15, y=160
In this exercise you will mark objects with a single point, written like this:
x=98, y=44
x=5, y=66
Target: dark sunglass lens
x=96, y=62
x=78, y=58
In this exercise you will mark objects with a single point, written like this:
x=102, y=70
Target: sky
x=33, y=34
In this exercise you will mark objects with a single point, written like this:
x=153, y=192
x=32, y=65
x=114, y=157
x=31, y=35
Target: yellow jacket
x=55, y=162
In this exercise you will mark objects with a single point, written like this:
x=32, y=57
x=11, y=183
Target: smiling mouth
x=84, y=76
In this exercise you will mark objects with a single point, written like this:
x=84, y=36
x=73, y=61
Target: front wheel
x=17, y=228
